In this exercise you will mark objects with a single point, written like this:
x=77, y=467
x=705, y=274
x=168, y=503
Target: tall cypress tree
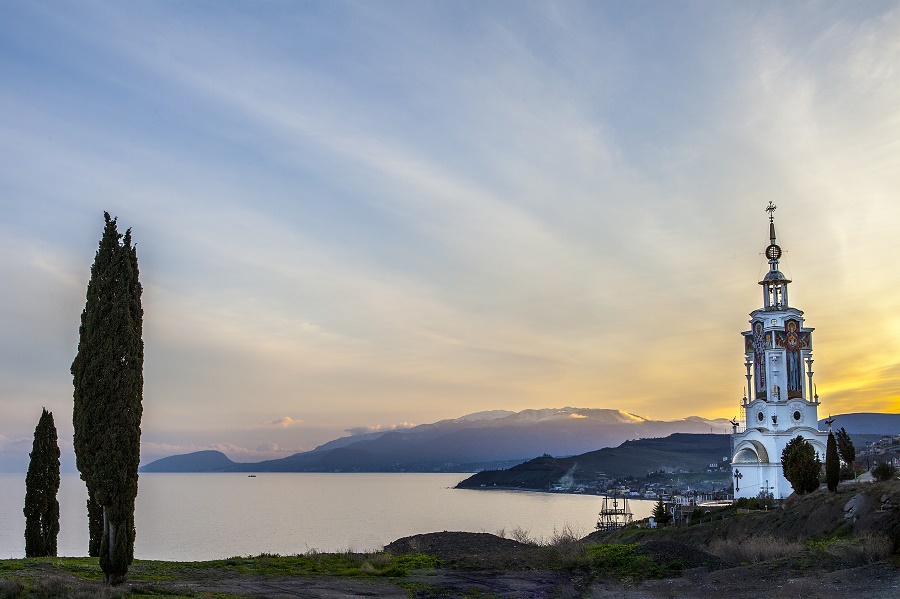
x=41, y=487
x=832, y=464
x=108, y=377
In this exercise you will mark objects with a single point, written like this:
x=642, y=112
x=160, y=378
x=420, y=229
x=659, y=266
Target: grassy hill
x=677, y=452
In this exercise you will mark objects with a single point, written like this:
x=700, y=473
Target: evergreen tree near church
x=41, y=486
x=845, y=447
x=660, y=513
x=832, y=464
x=108, y=377
x=801, y=465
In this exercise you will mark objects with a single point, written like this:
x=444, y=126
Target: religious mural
x=793, y=340
x=759, y=359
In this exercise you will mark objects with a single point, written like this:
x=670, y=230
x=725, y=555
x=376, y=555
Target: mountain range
x=492, y=439
x=865, y=423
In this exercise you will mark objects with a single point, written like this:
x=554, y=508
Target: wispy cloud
x=378, y=428
x=283, y=422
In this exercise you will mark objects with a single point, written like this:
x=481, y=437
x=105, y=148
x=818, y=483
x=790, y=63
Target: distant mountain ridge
x=490, y=439
x=866, y=423
x=676, y=452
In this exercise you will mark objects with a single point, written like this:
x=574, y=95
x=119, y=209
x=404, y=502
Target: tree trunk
x=95, y=525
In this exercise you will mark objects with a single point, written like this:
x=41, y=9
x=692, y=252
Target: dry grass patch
x=753, y=549
x=867, y=549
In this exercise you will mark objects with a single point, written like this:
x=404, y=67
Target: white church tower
x=781, y=402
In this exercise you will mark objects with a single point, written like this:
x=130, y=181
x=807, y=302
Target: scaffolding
x=612, y=514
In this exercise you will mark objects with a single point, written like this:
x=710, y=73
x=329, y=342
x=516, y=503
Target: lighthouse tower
x=781, y=402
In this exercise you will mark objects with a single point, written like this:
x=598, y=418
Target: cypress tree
x=832, y=464
x=41, y=487
x=108, y=378
x=845, y=447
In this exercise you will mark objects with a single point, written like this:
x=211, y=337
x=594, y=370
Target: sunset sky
x=364, y=215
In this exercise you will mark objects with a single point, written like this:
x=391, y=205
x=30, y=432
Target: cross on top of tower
x=771, y=210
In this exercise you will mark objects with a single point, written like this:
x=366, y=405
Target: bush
x=765, y=500
x=567, y=542
x=748, y=503
x=623, y=561
x=884, y=471
x=847, y=472
x=522, y=536
x=856, y=552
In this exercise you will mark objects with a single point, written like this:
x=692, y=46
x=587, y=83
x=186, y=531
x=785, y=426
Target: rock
x=853, y=503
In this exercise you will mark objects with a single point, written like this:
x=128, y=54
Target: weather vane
x=771, y=210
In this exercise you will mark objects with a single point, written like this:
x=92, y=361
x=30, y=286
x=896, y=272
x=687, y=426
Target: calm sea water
x=193, y=517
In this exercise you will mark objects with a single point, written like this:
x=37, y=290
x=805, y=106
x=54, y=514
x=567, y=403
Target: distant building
x=781, y=402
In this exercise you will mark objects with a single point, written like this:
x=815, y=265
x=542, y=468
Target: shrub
x=522, y=536
x=847, y=472
x=567, y=542
x=748, y=503
x=623, y=561
x=884, y=471
x=863, y=550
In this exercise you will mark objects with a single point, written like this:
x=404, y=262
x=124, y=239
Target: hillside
x=857, y=511
x=866, y=423
x=677, y=452
x=199, y=461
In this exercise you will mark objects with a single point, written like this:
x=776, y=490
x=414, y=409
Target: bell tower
x=781, y=402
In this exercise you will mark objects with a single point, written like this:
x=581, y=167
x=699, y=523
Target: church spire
x=774, y=284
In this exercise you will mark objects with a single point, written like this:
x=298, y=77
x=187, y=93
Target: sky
x=355, y=216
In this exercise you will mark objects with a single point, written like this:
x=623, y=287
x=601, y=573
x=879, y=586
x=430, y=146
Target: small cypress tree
x=801, y=465
x=108, y=376
x=41, y=487
x=832, y=464
x=845, y=447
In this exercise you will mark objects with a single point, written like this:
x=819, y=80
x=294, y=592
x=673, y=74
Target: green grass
x=622, y=561
x=312, y=564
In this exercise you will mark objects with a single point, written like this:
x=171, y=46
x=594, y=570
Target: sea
x=196, y=517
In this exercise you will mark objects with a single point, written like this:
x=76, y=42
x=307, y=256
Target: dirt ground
x=877, y=581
